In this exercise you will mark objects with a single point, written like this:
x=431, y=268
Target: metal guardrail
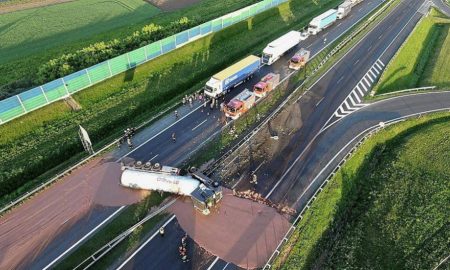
x=408, y=90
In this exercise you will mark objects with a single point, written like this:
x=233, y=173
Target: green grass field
x=47, y=138
x=30, y=38
x=422, y=59
x=386, y=208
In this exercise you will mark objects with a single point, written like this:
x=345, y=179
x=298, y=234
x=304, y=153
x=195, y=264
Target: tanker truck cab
x=204, y=198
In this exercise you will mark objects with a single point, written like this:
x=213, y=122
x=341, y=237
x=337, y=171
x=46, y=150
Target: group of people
x=128, y=134
x=183, y=249
x=193, y=97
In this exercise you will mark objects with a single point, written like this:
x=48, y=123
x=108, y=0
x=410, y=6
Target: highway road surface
x=329, y=101
x=192, y=128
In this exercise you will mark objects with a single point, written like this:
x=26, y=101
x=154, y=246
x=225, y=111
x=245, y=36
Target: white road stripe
x=199, y=124
x=360, y=91
x=82, y=239
x=144, y=244
x=381, y=62
x=367, y=81
x=356, y=96
x=213, y=263
x=378, y=66
x=370, y=77
x=154, y=157
x=352, y=101
x=373, y=74
x=365, y=88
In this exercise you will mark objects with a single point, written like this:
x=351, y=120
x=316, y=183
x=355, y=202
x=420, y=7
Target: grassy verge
x=385, y=208
x=422, y=59
x=21, y=54
x=127, y=218
x=39, y=141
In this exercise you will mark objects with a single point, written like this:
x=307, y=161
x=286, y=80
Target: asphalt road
x=191, y=129
x=330, y=92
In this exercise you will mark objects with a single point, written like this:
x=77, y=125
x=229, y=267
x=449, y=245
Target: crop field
x=29, y=31
x=386, y=208
x=421, y=60
x=37, y=143
x=30, y=38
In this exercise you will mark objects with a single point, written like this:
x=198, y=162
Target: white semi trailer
x=280, y=46
x=204, y=192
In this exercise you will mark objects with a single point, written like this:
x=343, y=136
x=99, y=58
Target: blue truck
x=222, y=82
x=322, y=21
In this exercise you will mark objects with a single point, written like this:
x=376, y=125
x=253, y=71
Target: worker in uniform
x=176, y=114
x=129, y=142
x=161, y=231
x=174, y=139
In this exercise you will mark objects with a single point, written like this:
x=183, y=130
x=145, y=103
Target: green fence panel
x=99, y=72
x=77, y=81
x=193, y=32
x=182, y=38
x=54, y=90
x=227, y=22
x=137, y=57
x=119, y=64
x=168, y=44
x=10, y=108
x=33, y=99
x=153, y=50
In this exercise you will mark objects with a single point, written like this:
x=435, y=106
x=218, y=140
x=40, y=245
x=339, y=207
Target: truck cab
x=299, y=59
x=204, y=198
x=213, y=88
x=266, y=84
x=239, y=104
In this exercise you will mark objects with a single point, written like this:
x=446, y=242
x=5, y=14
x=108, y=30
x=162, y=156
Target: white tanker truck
x=204, y=192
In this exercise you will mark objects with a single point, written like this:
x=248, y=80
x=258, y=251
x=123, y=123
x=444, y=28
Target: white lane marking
x=340, y=80
x=339, y=24
x=82, y=239
x=199, y=124
x=154, y=157
x=159, y=133
x=373, y=74
x=213, y=263
x=378, y=66
x=360, y=91
x=259, y=166
x=365, y=88
x=352, y=101
x=357, y=61
x=370, y=47
x=367, y=81
x=380, y=36
x=144, y=244
x=226, y=265
x=317, y=104
x=380, y=62
x=356, y=96
x=370, y=77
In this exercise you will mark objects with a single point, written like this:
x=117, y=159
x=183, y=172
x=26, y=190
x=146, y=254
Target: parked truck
x=266, y=84
x=275, y=49
x=299, y=59
x=224, y=81
x=322, y=21
x=239, y=104
x=204, y=192
x=355, y=2
x=344, y=9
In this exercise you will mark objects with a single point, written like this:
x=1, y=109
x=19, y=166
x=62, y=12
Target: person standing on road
x=174, y=139
x=176, y=114
x=161, y=231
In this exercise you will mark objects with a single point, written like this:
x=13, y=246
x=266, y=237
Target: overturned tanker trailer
x=204, y=192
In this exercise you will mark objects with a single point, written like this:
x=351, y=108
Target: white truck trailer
x=204, y=192
x=344, y=9
x=355, y=2
x=322, y=21
x=280, y=46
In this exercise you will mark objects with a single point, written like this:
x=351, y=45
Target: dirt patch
x=27, y=230
x=171, y=5
x=240, y=231
x=4, y=8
